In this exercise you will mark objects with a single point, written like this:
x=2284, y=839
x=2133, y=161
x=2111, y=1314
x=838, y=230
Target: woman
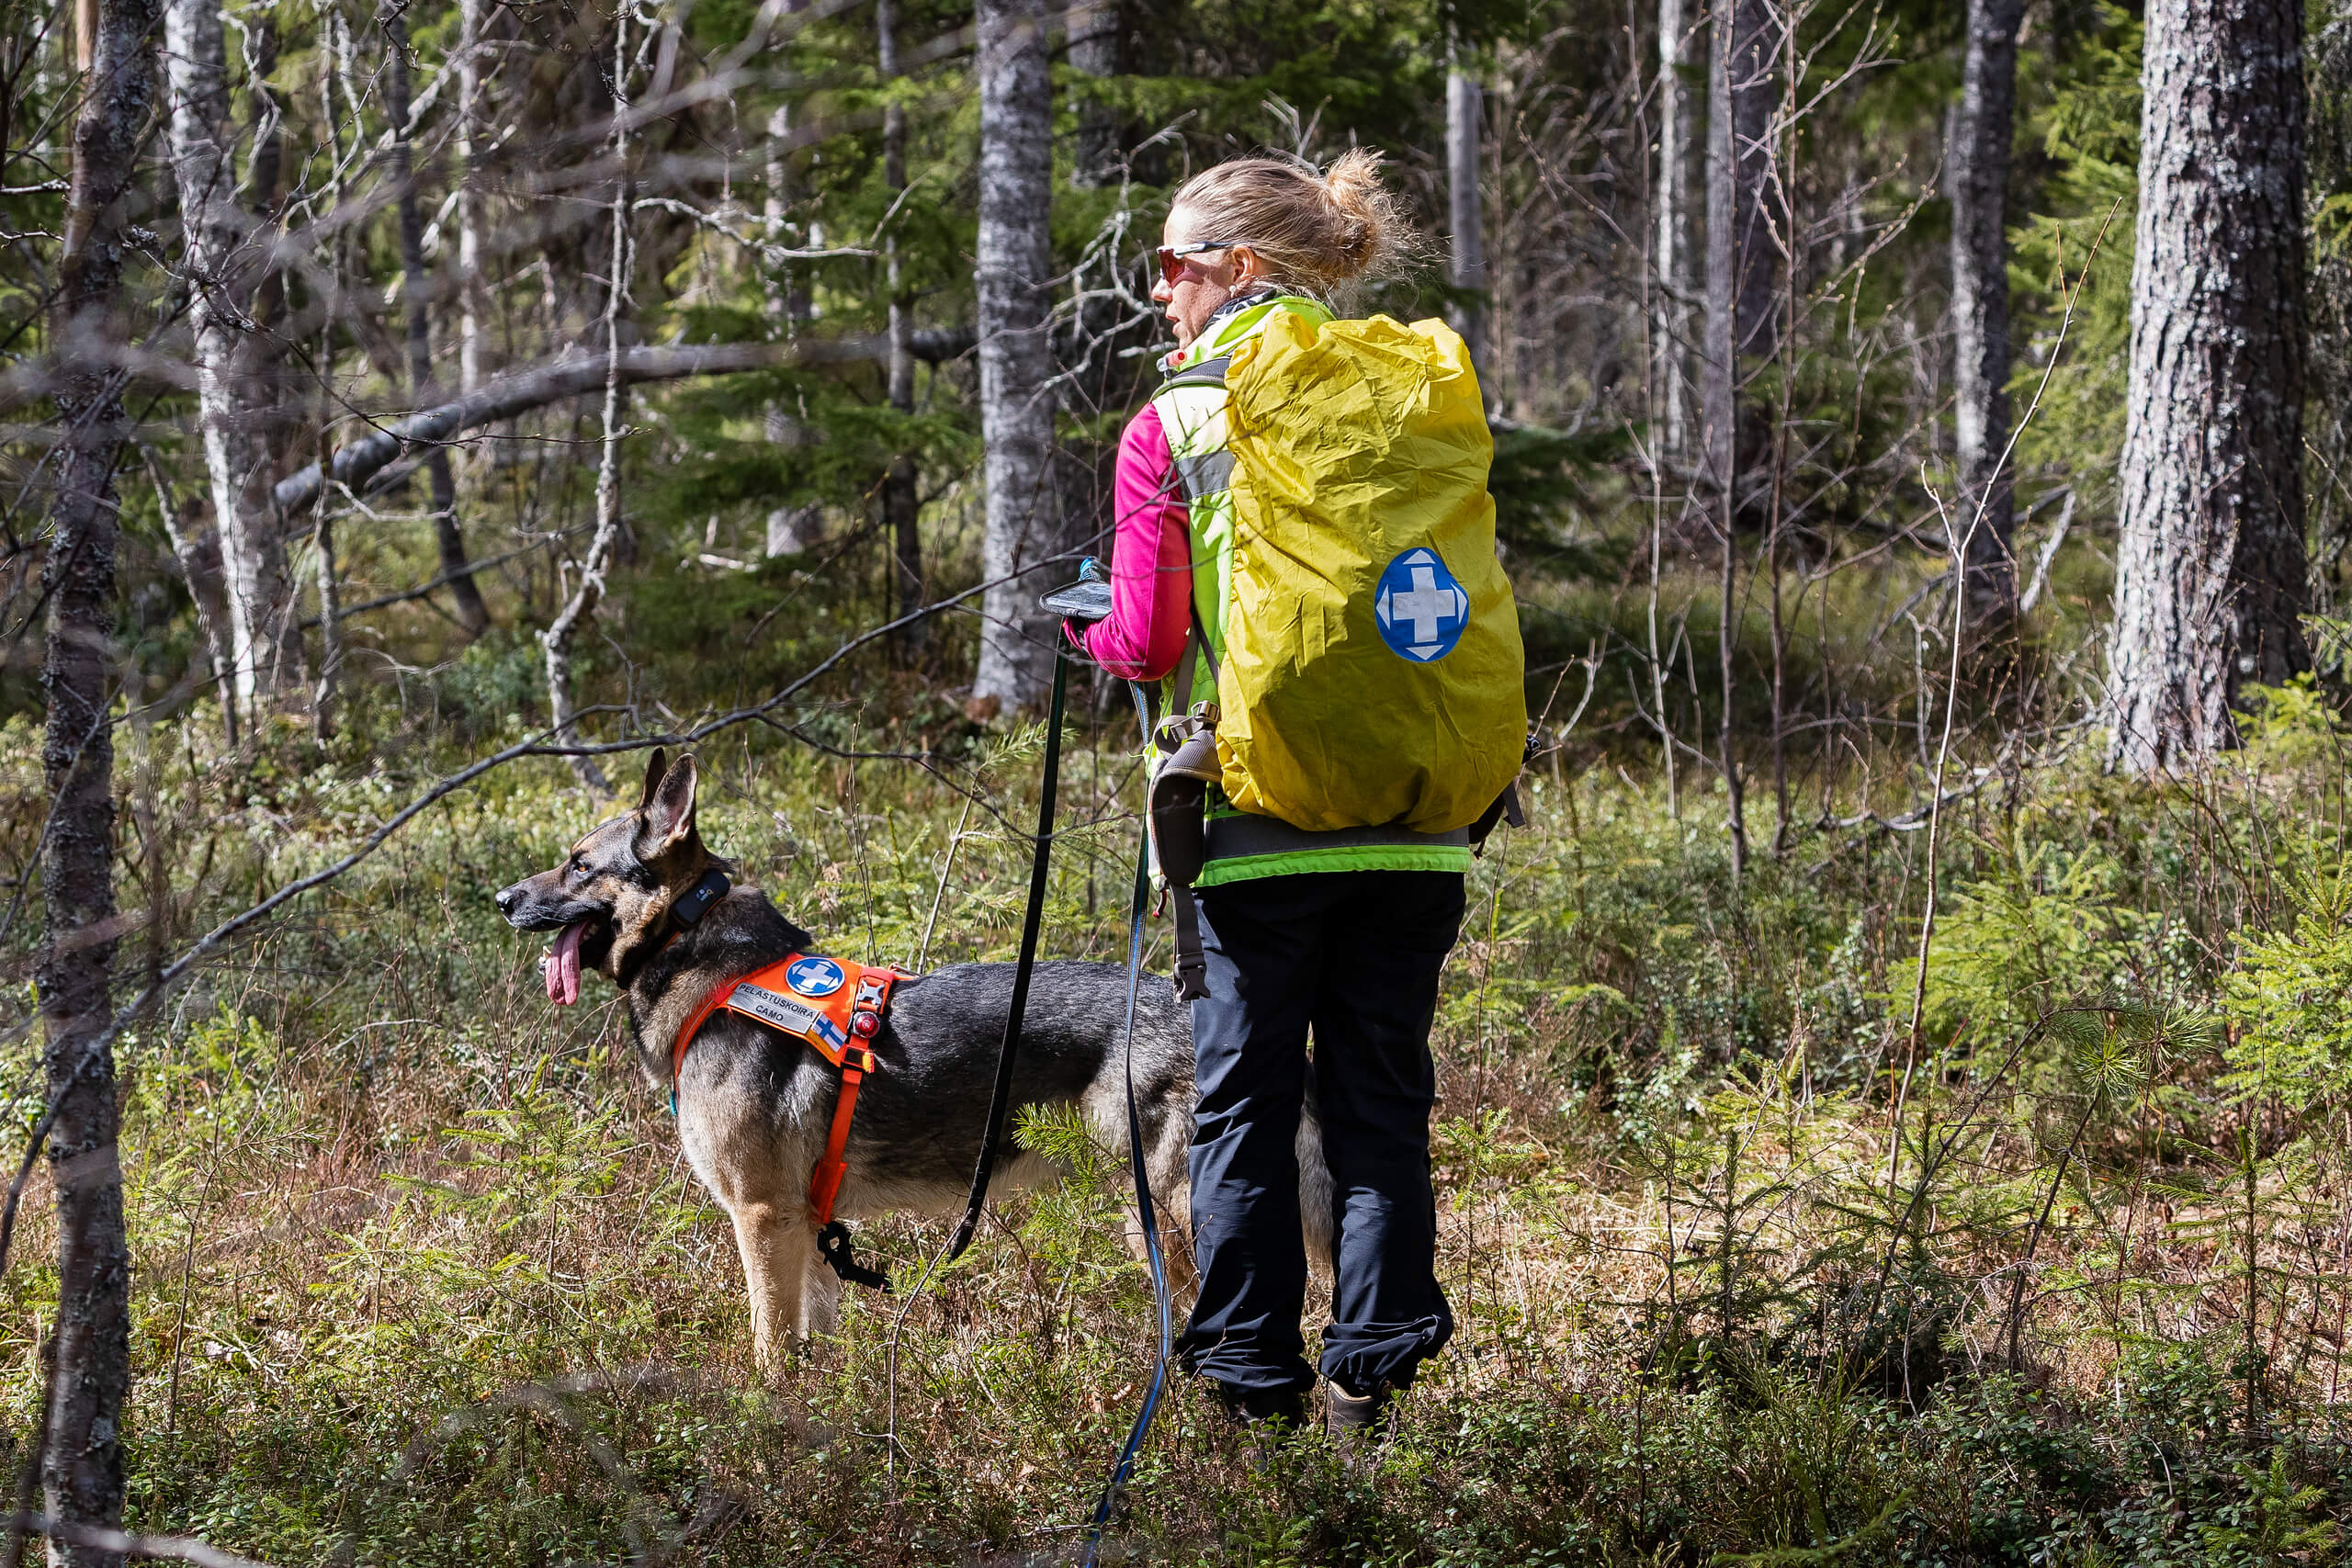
x=1303, y=933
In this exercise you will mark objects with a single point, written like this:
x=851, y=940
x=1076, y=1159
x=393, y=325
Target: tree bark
x=234, y=405
x=790, y=529
x=900, y=493
x=470, y=334
x=1016, y=363
x=1742, y=243
x=1464, y=107
x=2209, y=568
x=181, y=522
x=1093, y=52
x=1983, y=125
x=416, y=291
x=1743, y=247
x=1673, y=277
x=89, y=1384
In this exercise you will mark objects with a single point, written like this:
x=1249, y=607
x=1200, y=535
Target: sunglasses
x=1171, y=257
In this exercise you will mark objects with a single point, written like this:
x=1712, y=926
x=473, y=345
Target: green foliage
x=2289, y=999
x=2276, y=1524
x=2082, y=93
x=2048, y=925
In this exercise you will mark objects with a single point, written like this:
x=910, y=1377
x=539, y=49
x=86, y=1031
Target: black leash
x=1001, y=1099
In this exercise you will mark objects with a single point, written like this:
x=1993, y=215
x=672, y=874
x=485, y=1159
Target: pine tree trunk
x=1983, y=125
x=900, y=492
x=1094, y=53
x=2210, y=568
x=416, y=289
x=1015, y=263
x=1742, y=242
x=82, y=1460
x=223, y=260
x=1464, y=108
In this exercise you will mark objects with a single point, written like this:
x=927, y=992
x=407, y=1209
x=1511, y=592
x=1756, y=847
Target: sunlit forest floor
x=1749, y=1264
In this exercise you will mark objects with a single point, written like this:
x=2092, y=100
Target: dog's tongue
x=562, y=966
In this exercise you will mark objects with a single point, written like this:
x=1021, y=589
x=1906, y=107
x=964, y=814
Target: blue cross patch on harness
x=815, y=976
x=1422, y=610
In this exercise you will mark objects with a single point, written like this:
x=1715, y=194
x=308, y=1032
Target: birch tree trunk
x=1983, y=124
x=790, y=529
x=1464, y=108
x=82, y=1469
x=2210, y=568
x=416, y=291
x=1671, y=198
x=1016, y=363
x=469, y=196
x=901, y=495
x=224, y=266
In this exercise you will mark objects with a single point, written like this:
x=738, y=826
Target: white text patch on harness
x=787, y=1013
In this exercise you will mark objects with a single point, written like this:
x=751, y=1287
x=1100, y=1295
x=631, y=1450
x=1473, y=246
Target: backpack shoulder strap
x=1208, y=373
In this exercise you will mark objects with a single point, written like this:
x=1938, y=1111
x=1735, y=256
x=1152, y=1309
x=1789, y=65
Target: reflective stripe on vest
x=1192, y=416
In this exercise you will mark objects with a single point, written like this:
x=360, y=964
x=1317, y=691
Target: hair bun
x=1320, y=230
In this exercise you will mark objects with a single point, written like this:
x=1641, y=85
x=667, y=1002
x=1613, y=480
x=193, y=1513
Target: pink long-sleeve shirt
x=1151, y=559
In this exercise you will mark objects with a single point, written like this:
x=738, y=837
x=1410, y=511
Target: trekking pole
x=993, y=1139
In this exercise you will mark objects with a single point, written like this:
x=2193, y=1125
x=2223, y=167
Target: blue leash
x=1125, y=1469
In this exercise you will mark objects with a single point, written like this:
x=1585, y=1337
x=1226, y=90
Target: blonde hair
x=1318, y=232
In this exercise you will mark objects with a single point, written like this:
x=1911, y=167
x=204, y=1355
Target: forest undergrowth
x=1767, y=1242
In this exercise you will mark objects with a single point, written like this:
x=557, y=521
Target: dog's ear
x=655, y=766
x=669, y=811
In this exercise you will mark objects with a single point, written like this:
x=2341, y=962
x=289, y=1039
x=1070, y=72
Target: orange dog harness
x=833, y=1005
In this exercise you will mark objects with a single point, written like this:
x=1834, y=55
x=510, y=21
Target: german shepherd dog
x=754, y=1104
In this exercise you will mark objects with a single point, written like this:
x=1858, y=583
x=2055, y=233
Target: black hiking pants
x=1351, y=957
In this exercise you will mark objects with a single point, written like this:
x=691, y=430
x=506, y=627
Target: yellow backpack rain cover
x=1372, y=673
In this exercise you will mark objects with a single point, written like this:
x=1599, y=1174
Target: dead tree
x=1982, y=123
x=2209, y=568
x=89, y=1357
x=1017, y=403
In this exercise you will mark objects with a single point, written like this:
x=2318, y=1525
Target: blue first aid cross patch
x=1422, y=610
x=815, y=977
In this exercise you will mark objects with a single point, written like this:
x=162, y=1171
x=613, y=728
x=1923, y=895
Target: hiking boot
x=1263, y=1418
x=1358, y=1423
x=1262, y=1410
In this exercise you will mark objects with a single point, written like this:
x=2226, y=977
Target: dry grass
x=420, y=1276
